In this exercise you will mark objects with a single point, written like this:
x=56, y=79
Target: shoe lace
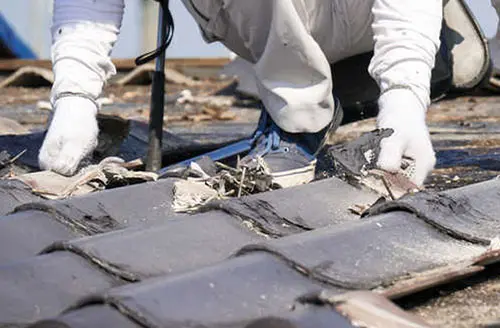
x=273, y=137
x=268, y=128
x=168, y=25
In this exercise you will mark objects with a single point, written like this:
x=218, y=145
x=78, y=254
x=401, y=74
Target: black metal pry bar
x=164, y=38
x=153, y=159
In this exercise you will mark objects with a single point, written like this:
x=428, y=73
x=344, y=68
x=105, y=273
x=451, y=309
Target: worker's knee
x=208, y=14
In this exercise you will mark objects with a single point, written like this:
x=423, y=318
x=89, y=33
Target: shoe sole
x=468, y=45
x=295, y=177
x=306, y=174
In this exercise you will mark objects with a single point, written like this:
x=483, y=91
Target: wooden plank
x=10, y=65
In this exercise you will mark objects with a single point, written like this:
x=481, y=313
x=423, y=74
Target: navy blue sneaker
x=290, y=158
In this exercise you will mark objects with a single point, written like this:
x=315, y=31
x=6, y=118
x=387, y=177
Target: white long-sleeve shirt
x=291, y=48
x=406, y=35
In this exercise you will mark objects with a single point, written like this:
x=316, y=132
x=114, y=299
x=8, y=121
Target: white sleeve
x=406, y=35
x=83, y=35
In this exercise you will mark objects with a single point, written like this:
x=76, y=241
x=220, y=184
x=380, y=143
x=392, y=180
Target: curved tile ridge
x=14, y=193
x=182, y=244
x=236, y=291
x=78, y=220
x=370, y=253
x=463, y=213
x=310, y=316
x=261, y=216
x=94, y=316
x=110, y=268
x=295, y=210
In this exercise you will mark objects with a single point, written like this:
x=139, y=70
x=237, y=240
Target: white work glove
x=72, y=135
x=400, y=110
x=406, y=35
x=83, y=35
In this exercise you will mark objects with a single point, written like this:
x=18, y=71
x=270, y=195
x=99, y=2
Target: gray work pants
x=291, y=44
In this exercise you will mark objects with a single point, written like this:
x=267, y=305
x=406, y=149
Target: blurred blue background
x=31, y=20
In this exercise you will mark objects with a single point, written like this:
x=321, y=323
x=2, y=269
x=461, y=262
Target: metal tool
x=237, y=148
x=164, y=38
x=153, y=159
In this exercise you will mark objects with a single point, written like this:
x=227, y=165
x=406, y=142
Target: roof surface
x=298, y=257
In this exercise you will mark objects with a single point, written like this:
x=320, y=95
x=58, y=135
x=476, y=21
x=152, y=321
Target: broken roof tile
x=263, y=279
x=467, y=213
x=51, y=281
x=14, y=193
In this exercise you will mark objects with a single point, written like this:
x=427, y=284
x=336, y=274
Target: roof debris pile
x=109, y=173
x=353, y=162
x=218, y=245
x=200, y=188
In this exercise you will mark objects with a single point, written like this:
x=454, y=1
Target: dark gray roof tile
x=14, y=193
x=369, y=253
x=106, y=316
x=190, y=269
x=271, y=278
x=136, y=205
x=34, y=226
x=179, y=245
x=467, y=213
x=92, y=316
x=25, y=234
x=128, y=255
x=241, y=289
x=41, y=287
x=310, y=206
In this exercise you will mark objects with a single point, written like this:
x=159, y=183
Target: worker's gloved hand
x=401, y=111
x=83, y=35
x=72, y=135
